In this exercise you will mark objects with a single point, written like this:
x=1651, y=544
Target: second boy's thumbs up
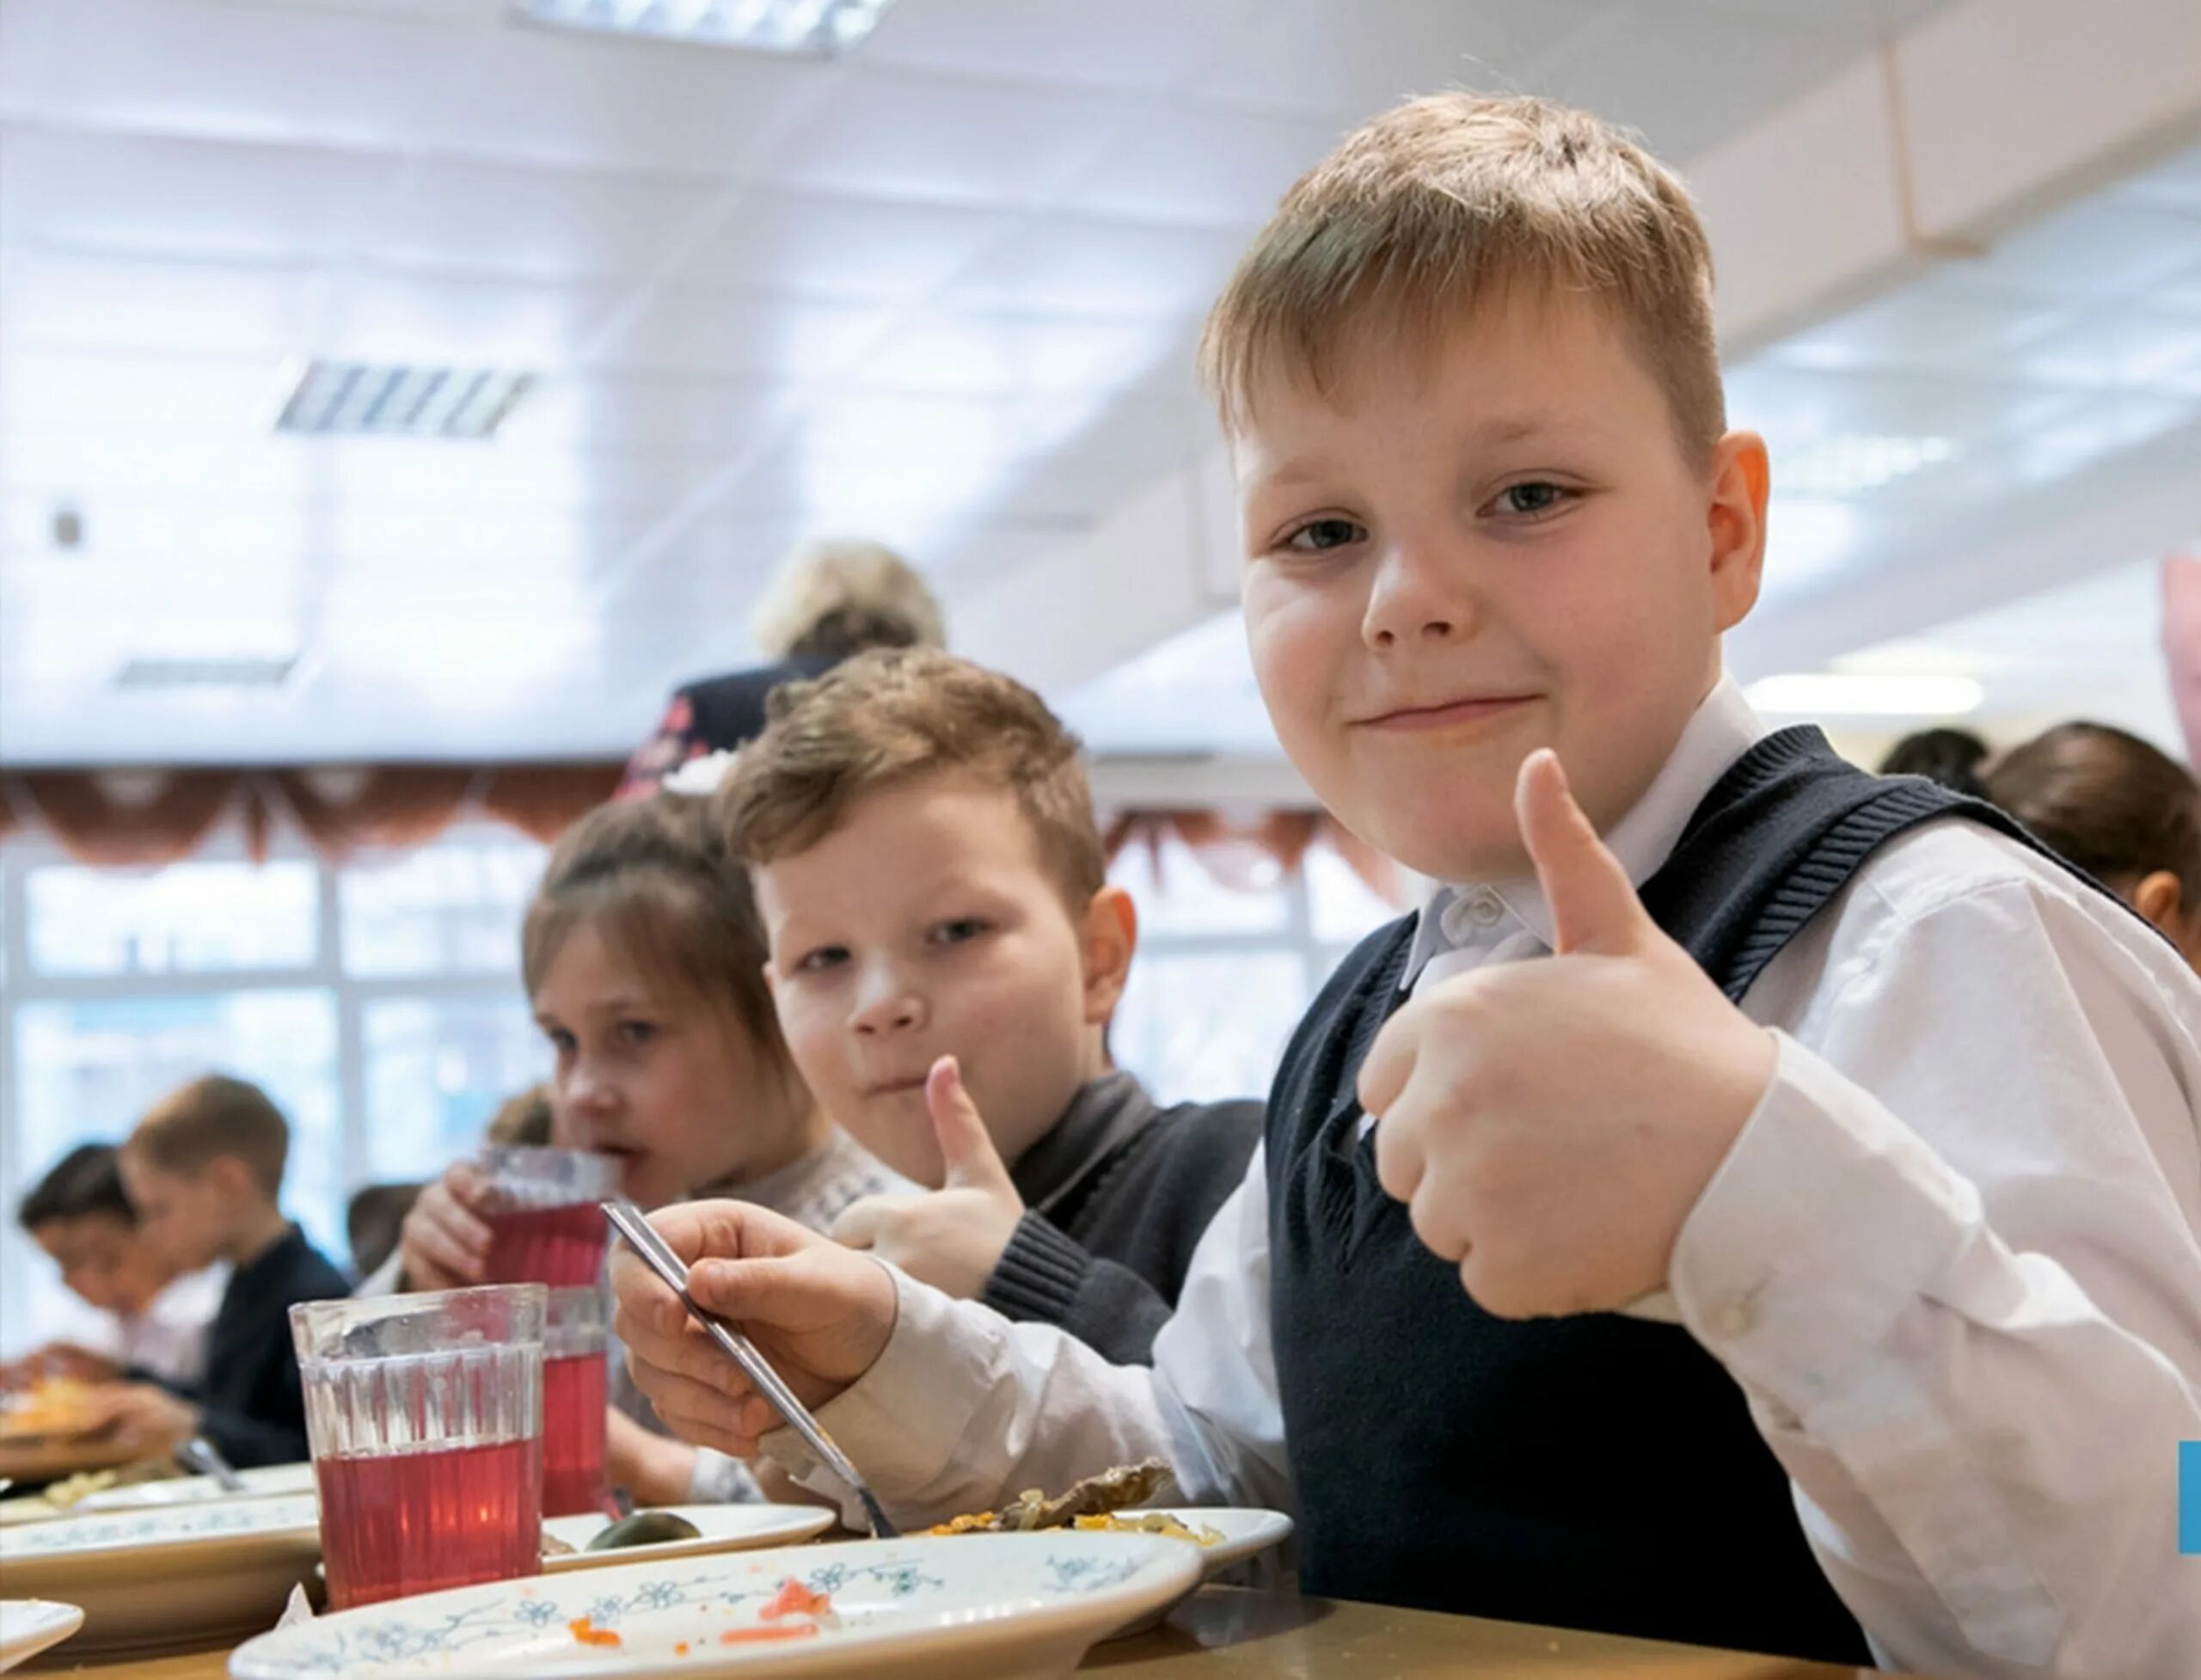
x=967, y=1155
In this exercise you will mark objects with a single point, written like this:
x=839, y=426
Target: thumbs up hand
x=1550, y=1125
x=951, y=1237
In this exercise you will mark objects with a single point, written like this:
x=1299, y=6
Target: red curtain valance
x=140, y=818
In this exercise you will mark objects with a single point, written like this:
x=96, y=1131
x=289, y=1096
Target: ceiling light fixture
x=817, y=28
x=1867, y=694
x=354, y=398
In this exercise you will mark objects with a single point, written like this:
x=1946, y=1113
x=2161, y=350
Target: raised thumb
x=967, y=1154
x=1593, y=904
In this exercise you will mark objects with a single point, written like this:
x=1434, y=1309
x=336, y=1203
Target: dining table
x=1224, y=1633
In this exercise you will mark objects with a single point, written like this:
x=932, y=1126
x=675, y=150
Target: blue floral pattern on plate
x=909, y=1587
x=160, y=1527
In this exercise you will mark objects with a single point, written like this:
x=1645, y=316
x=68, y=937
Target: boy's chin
x=1457, y=847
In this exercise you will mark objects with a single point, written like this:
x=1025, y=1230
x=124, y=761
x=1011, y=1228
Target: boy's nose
x=1414, y=597
x=890, y=1009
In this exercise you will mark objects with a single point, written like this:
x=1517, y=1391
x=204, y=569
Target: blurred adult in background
x=2125, y=812
x=828, y=600
x=2182, y=646
x=143, y=1318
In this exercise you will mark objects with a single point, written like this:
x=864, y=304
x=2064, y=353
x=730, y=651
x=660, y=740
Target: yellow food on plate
x=1110, y=1491
x=56, y=1406
x=1150, y=1522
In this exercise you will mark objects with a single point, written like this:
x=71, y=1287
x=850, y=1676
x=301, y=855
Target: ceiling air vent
x=246, y=672
x=354, y=399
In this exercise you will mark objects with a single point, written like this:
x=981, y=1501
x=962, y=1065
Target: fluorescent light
x=348, y=397
x=1854, y=463
x=1866, y=694
x=820, y=27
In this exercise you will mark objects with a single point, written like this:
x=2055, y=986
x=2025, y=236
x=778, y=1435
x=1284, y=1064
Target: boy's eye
x=636, y=1033
x=958, y=931
x=1320, y=535
x=825, y=957
x=1534, y=497
x=560, y=1041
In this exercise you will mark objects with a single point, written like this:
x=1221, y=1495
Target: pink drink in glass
x=425, y=1416
x=575, y=1396
x=544, y=1223
x=403, y=1523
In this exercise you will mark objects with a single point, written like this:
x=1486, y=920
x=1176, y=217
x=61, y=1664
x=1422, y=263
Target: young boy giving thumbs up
x=1752, y=1203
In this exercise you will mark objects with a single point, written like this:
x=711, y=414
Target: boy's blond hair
x=884, y=719
x=200, y=1122
x=1438, y=203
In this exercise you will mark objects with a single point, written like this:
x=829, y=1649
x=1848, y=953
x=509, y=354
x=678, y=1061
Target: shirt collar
x=1721, y=729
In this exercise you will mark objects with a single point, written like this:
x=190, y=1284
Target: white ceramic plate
x=263, y=1483
x=28, y=1626
x=726, y=1528
x=1009, y=1606
x=1246, y=1531
x=168, y=1578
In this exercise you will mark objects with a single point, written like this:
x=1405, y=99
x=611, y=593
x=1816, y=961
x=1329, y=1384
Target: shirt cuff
x=1827, y=1219
x=903, y=1420
x=1039, y=1273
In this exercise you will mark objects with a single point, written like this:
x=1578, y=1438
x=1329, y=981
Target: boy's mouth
x=1444, y=714
x=895, y=1088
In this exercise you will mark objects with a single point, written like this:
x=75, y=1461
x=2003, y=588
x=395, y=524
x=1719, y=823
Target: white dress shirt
x=168, y=1339
x=1953, y=1259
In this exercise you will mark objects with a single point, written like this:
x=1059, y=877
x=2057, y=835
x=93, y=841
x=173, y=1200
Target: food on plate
x=53, y=1406
x=1125, y=1485
x=644, y=1528
x=1150, y=1522
x=585, y=1632
x=71, y=1490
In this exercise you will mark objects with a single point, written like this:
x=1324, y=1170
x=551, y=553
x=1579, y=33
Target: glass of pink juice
x=576, y=1390
x=544, y=1224
x=424, y=1417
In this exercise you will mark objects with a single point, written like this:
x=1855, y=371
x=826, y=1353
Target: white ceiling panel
x=1345, y=62
x=876, y=134
x=682, y=417
x=855, y=249
x=396, y=316
x=1079, y=265
x=169, y=197
x=505, y=91
x=245, y=72
x=1215, y=169
x=746, y=336
x=540, y=223
x=51, y=301
x=1139, y=46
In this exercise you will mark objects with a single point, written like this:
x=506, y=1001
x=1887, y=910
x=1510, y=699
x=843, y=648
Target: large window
x=377, y=1002
x=1223, y=973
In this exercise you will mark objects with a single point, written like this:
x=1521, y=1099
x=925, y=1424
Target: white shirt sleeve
x=963, y=1408
x=1963, y=1290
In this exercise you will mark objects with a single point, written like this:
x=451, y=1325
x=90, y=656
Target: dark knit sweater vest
x=1597, y=1471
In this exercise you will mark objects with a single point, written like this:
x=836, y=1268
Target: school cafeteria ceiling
x=942, y=291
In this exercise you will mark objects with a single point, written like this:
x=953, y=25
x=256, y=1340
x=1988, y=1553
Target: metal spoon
x=628, y=1220
x=202, y=1456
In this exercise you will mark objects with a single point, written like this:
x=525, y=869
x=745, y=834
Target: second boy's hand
x=1551, y=1125
x=953, y=1237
